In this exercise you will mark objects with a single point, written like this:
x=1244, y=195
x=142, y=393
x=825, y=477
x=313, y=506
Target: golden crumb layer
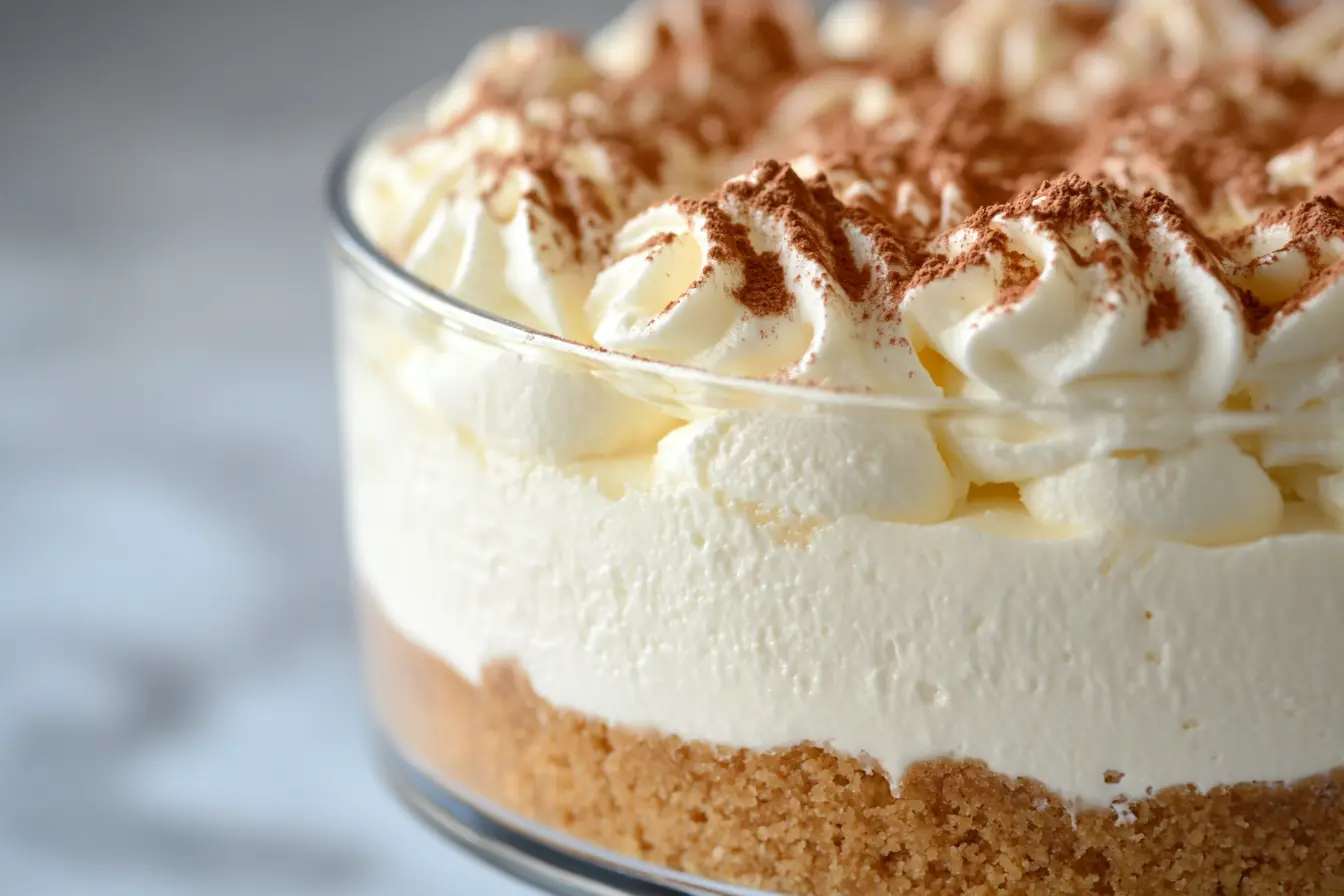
x=805, y=820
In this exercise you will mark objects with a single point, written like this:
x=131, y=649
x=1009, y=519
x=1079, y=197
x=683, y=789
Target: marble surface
x=179, y=700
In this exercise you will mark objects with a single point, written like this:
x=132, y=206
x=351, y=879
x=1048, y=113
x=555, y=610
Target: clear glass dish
x=487, y=528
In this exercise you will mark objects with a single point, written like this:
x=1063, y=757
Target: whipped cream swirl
x=1079, y=291
x=770, y=278
x=1293, y=265
x=707, y=42
x=510, y=211
x=540, y=190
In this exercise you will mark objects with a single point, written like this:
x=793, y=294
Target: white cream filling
x=653, y=602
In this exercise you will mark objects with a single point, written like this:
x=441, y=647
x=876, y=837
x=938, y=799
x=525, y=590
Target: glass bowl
x=624, y=635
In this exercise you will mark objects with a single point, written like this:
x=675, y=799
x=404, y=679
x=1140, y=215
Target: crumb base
x=805, y=820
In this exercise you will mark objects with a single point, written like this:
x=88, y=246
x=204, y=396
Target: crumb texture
x=809, y=822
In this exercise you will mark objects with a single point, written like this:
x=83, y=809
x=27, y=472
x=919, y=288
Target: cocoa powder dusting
x=1161, y=153
x=1312, y=226
x=1165, y=313
x=1015, y=278
x=1158, y=209
x=1207, y=137
x=808, y=218
x=1110, y=256
x=1065, y=202
x=1141, y=249
x=1058, y=205
x=654, y=243
x=736, y=39
x=554, y=197
x=813, y=220
x=965, y=140
x=1273, y=12
x=763, y=291
x=1316, y=284
x=590, y=201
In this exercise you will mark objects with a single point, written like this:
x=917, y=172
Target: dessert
x=896, y=454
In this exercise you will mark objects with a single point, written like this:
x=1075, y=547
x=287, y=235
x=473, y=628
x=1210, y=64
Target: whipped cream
x=1031, y=305
x=512, y=207
x=1185, y=35
x=1299, y=362
x=1325, y=490
x=1074, y=293
x=1011, y=44
x=687, y=275
x=1209, y=493
x=525, y=409
x=810, y=467
x=1179, y=37
x=1315, y=166
x=871, y=29
x=478, y=213
x=1312, y=44
x=519, y=65
x=707, y=41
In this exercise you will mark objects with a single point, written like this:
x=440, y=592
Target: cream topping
x=768, y=278
x=1079, y=290
x=902, y=251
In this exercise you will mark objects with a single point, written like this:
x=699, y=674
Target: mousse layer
x=662, y=602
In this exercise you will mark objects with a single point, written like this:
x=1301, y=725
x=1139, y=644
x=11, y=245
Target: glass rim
x=399, y=284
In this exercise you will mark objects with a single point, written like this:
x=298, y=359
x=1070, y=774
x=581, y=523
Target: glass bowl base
x=522, y=849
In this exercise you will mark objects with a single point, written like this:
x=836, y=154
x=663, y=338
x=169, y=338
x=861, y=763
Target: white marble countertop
x=179, y=703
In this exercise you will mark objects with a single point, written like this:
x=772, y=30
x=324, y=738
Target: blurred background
x=179, y=700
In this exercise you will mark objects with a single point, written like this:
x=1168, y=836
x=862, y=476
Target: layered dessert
x=896, y=453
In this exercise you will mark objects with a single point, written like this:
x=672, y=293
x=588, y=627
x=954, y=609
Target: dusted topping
x=520, y=219
x=1183, y=36
x=711, y=60
x=1146, y=38
x=1286, y=260
x=1314, y=167
x=1033, y=203
x=1078, y=289
x=933, y=157
x=510, y=200
x=1013, y=44
x=771, y=276
x=704, y=70
x=700, y=40
x=530, y=63
x=1210, y=142
x=1293, y=269
x=874, y=30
